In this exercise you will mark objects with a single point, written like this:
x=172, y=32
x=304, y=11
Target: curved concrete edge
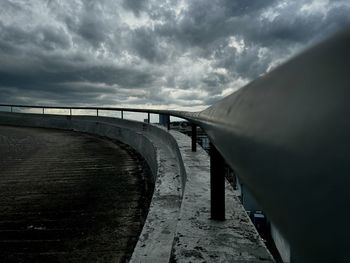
x=178, y=226
x=160, y=151
x=88, y=124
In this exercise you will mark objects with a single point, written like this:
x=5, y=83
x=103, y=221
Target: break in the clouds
x=169, y=53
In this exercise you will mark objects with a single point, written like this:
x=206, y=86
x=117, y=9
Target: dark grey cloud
x=173, y=53
x=146, y=44
x=135, y=6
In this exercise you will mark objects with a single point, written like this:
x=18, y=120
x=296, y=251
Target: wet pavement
x=69, y=197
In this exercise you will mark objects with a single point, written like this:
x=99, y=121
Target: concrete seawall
x=178, y=226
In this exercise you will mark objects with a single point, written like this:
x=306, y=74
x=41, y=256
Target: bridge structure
x=285, y=135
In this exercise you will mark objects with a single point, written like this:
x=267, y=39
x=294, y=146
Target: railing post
x=122, y=114
x=217, y=184
x=168, y=122
x=148, y=117
x=164, y=120
x=43, y=110
x=97, y=112
x=70, y=111
x=11, y=109
x=194, y=137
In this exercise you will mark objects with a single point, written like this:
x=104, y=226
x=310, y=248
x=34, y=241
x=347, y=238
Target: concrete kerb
x=178, y=227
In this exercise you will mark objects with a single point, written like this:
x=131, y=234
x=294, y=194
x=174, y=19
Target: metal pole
x=217, y=184
x=122, y=114
x=97, y=112
x=168, y=122
x=148, y=117
x=11, y=109
x=70, y=111
x=43, y=110
x=194, y=137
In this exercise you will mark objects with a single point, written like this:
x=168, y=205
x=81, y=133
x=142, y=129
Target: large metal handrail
x=287, y=135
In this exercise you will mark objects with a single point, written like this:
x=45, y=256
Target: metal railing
x=181, y=114
x=287, y=136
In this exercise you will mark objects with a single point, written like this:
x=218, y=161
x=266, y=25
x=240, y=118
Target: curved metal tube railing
x=287, y=135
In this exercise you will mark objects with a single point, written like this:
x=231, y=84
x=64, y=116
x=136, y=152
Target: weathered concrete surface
x=200, y=239
x=68, y=197
x=156, y=240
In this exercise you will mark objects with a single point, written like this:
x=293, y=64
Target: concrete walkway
x=68, y=197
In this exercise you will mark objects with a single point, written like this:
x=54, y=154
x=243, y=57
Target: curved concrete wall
x=178, y=226
x=152, y=143
x=127, y=131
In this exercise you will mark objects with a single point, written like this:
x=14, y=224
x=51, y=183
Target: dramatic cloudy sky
x=183, y=54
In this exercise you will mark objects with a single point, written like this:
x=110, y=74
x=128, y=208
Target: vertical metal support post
x=97, y=112
x=217, y=184
x=43, y=110
x=148, y=117
x=168, y=122
x=194, y=137
x=122, y=114
x=11, y=109
x=70, y=111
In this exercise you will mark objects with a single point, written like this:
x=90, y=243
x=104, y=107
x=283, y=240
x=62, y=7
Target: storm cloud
x=146, y=53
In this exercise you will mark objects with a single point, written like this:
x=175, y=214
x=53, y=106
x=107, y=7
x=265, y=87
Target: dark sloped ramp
x=69, y=197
